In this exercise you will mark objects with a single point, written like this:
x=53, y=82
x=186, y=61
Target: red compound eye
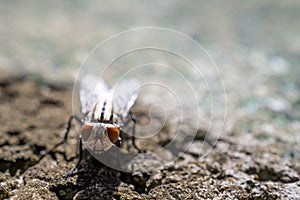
x=86, y=131
x=113, y=134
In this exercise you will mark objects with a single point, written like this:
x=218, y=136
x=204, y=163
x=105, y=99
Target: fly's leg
x=65, y=139
x=67, y=130
x=70, y=172
x=119, y=144
x=133, y=133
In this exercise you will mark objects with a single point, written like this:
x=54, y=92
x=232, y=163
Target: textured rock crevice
x=33, y=119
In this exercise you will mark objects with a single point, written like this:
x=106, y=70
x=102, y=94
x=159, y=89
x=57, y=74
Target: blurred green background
x=255, y=44
x=53, y=37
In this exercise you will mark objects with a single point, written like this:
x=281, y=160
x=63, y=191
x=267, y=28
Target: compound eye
x=86, y=132
x=113, y=134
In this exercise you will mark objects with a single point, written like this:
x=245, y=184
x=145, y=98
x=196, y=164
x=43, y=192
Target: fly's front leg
x=70, y=172
x=133, y=133
x=65, y=139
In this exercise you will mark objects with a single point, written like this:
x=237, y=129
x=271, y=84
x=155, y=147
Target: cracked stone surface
x=256, y=46
x=33, y=119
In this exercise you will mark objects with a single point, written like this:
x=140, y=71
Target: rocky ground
x=242, y=165
x=256, y=46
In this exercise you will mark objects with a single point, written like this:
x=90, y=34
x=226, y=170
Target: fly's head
x=100, y=137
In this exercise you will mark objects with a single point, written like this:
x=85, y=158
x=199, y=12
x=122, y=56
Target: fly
x=105, y=111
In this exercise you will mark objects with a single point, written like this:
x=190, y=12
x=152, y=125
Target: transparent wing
x=91, y=88
x=125, y=93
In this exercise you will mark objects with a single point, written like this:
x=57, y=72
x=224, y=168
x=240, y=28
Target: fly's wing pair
x=123, y=94
x=91, y=88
